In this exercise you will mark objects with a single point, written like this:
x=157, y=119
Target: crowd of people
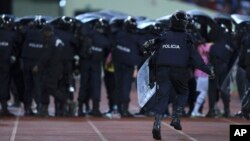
x=40, y=57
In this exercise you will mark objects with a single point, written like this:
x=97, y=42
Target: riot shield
x=144, y=91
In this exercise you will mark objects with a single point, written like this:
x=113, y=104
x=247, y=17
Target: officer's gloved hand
x=212, y=75
x=12, y=59
x=149, y=43
x=71, y=89
x=35, y=69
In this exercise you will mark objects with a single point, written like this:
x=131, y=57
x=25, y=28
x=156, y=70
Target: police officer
x=52, y=69
x=147, y=30
x=32, y=63
x=17, y=82
x=220, y=56
x=173, y=56
x=245, y=64
x=8, y=44
x=125, y=56
x=63, y=30
x=92, y=56
x=109, y=72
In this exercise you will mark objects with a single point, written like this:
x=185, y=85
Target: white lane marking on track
x=98, y=132
x=180, y=132
x=14, y=131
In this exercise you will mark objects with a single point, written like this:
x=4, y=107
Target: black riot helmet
x=130, y=24
x=179, y=20
x=6, y=21
x=39, y=22
x=101, y=25
x=66, y=23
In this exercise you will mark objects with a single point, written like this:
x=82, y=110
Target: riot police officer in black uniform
x=8, y=44
x=220, y=55
x=245, y=64
x=173, y=56
x=32, y=63
x=52, y=69
x=147, y=30
x=126, y=58
x=63, y=30
x=109, y=71
x=92, y=56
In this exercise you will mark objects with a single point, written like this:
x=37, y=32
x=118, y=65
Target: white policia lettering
x=4, y=44
x=35, y=45
x=173, y=46
x=123, y=48
x=97, y=49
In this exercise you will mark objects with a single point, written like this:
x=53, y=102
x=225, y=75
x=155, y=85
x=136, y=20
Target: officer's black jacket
x=56, y=49
x=244, y=60
x=36, y=49
x=33, y=47
x=98, y=46
x=70, y=43
x=126, y=50
x=222, y=50
x=175, y=49
x=9, y=42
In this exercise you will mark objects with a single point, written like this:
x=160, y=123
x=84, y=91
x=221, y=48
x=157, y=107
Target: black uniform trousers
x=168, y=79
x=214, y=88
x=32, y=82
x=109, y=80
x=50, y=80
x=123, y=80
x=67, y=79
x=90, y=81
x=4, y=81
x=17, y=82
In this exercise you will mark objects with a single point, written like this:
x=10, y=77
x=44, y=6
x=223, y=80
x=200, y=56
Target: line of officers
x=40, y=58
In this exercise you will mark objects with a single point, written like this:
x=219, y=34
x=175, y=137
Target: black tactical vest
x=33, y=46
x=173, y=50
x=100, y=44
x=7, y=39
x=126, y=50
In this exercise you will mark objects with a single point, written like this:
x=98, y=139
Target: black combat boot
x=176, y=123
x=28, y=111
x=211, y=113
x=157, y=127
x=124, y=110
x=58, y=109
x=95, y=111
x=227, y=113
x=80, y=110
x=43, y=110
x=71, y=107
x=111, y=108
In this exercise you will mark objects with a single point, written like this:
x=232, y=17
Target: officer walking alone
x=173, y=56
